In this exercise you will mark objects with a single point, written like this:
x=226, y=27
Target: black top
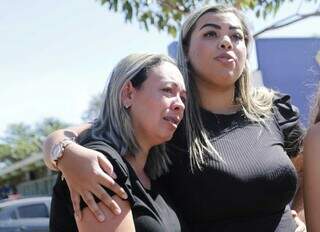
x=251, y=189
x=150, y=211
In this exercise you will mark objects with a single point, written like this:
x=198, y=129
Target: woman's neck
x=138, y=162
x=217, y=100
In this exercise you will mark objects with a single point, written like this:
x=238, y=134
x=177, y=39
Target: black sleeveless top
x=250, y=190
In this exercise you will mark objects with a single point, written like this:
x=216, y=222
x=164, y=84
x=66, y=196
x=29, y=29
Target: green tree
x=21, y=140
x=93, y=109
x=166, y=15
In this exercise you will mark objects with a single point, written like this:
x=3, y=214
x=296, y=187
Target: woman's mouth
x=226, y=59
x=172, y=120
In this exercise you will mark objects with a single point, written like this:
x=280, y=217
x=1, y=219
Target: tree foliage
x=93, y=109
x=21, y=140
x=166, y=15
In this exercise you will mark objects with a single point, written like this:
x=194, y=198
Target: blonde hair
x=315, y=108
x=114, y=124
x=256, y=103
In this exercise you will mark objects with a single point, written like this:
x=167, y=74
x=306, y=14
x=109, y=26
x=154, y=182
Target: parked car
x=27, y=214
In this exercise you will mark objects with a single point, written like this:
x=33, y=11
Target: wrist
x=58, y=150
x=64, y=153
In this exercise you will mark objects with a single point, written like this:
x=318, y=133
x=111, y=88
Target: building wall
x=289, y=65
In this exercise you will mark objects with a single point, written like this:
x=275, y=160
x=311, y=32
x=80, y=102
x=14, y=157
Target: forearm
x=312, y=178
x=298, y=203
x=56, y=137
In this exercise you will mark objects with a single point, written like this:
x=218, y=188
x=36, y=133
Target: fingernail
x=113, y=175
x=76, y=216
x=117, y=211
x=124, y=194
x=101, y=217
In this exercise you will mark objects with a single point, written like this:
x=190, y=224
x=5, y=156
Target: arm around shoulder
x=58, y=136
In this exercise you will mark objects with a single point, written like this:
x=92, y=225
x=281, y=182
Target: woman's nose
x=225, y=43
x=178, y=104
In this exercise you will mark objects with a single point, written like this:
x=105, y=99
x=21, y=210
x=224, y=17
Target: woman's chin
x=166, y=137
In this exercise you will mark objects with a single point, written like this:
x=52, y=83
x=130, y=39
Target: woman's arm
x=57, y=136
x=120, y=223
x=312, y=178
x=297, y=203
x=85, y=171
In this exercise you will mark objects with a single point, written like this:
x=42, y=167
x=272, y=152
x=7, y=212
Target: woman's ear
x=127, y=94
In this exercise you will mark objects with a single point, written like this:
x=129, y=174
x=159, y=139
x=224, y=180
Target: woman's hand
x=86, y=171
x=301, y=227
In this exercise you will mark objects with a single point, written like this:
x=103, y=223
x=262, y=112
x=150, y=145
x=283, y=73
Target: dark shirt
x=253, y=186
x=150, y=211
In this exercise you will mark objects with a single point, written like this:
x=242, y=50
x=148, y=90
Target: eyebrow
x=176, y=85
x=219, y=27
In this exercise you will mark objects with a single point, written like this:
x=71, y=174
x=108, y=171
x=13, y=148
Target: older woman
x=142, y=107
x=231, y=168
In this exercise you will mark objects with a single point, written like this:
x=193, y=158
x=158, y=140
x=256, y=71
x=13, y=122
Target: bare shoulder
x=312, y=141
x=117, y=223
x=313, y=134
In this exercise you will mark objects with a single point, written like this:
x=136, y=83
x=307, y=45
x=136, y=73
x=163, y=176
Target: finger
x=301, y=229
x=298, y=229
x=294, y=213
x=109, y=183
x=75, y=198
x=91, y=203
x=106, y=166
x=300, y=225
x=107, y=200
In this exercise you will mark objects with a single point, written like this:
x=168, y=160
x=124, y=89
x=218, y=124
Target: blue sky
x=56, y=54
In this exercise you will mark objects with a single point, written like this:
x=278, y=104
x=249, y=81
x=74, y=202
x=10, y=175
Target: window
x=33, y=211
x=13, y=215
x=3, y=213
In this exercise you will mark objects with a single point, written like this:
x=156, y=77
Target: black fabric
x=250, y=190
x=149, y=208
x=287, y=118
x=61, y=212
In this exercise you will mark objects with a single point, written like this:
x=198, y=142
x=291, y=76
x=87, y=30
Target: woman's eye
x=183, y=99
x=237, y=37
x=210, y=34
x=167, y=90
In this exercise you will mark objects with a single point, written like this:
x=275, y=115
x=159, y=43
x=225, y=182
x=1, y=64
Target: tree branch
x=284, y=22
x=173, y=6
x=300, y=5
